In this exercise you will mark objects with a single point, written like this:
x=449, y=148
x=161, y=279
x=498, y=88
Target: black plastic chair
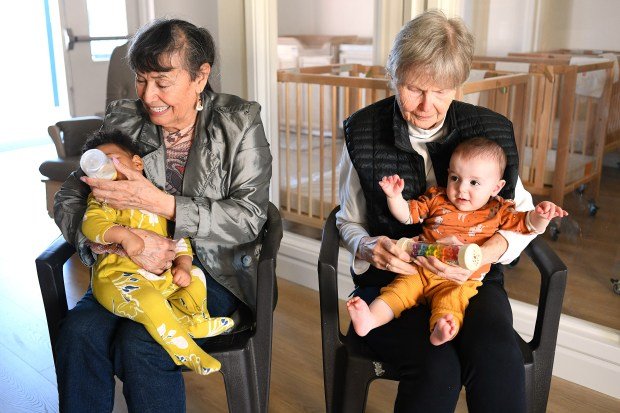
x=349, y=365
x=245, y=354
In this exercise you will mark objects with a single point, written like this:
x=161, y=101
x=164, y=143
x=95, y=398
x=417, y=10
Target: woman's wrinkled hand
x=136, y=192
x=158, y=251
x=449, y=272
x=106, y=249
x=382, y=252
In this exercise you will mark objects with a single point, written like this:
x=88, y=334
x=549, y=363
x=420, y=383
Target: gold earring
x=199, y=105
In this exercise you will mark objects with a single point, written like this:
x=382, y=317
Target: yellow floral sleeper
x=171, y=314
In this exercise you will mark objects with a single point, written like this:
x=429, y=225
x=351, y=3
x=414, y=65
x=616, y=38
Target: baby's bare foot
x=361, y=316
x=445, y=330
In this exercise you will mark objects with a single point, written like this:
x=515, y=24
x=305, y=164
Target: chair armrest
x=328, y=282
x=266, y=289
x=553, y=275
x=54, y=132
x=51, y=281
x=69, y=135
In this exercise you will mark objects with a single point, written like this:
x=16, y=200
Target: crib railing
x=564, y=141
x=313, y=102
x=612, y=134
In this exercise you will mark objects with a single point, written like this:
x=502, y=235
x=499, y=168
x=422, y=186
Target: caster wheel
x=554, y=231
x=514, y=262
x=615, y=285
x=580, y=189
x=592, y=208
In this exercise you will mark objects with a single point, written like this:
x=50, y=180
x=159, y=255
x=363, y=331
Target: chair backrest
x=69, y=135
x=121, y=79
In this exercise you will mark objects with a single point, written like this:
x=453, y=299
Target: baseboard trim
x=587, y=354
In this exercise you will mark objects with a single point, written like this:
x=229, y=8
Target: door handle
x=71, y=39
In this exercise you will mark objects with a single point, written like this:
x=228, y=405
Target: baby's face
x=472, y=181
x=114, y=151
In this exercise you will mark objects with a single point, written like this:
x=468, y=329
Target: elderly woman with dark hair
x=413, y=134
x=208, y=165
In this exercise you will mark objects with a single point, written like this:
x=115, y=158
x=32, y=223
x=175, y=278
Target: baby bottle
x=96, y=164
x=468, y=256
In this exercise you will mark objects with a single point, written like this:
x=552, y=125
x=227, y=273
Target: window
x=106, y=19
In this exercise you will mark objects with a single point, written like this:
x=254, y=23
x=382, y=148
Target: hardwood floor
x=27, y=379
x=590, y=248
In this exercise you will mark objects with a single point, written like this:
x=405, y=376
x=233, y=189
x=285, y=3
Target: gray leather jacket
x=225, y=187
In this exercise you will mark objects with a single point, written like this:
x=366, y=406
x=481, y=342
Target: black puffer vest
x=378, y=143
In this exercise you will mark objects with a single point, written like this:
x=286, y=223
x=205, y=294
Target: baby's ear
x=499, y=186
x=137, y=162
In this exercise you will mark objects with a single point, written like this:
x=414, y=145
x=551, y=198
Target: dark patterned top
x=177, y=149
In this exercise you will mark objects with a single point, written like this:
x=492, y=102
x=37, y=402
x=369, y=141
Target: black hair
x=162, y=38
x=114, y=137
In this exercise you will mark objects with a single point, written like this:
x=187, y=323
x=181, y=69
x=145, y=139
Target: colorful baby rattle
x=468, y=256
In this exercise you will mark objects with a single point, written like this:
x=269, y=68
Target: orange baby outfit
x=440, y=219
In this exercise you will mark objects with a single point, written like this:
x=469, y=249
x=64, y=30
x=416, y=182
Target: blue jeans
x=94, y=345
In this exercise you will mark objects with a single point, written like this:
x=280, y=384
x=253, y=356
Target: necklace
x=177, y=136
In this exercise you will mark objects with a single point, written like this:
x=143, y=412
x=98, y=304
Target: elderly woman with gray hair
x=413, y=134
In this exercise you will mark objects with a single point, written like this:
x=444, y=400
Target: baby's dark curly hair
x=115, y=137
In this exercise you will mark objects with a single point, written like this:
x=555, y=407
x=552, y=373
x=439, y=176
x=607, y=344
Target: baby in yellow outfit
x=173, y=305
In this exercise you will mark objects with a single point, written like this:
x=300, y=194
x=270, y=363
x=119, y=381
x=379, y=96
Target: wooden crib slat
x=518, y=120
x=501, y=100
x=298, y=121
x=600, y=132
x=288, y=145
x=541, y=125
x=333, y=147
x=321, y=153
x=309, y=135
x=562, y=154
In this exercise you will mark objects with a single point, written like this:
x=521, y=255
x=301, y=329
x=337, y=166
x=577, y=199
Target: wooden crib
x=313, y=102
x=612, y=134
x=564, y=140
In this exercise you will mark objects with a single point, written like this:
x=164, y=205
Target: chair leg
x=247, y=384
x=334, y=367
x=357, y=381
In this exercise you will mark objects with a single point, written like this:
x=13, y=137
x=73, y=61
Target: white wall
x=225, y=20
x=326, y=17
x=510, y=26
x=501, y=26
x=590, y=24
x=554, y=29
x=573, y=24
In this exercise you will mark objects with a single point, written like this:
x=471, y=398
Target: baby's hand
x=392, y=185
x=549, y=210
x=180, y=276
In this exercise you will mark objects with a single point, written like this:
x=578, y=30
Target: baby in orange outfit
x=470, y=209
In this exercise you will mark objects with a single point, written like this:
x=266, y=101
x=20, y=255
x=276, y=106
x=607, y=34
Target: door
x=86, y=60
x=33, y=91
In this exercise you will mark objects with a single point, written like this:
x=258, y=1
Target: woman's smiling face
x=170, y=97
